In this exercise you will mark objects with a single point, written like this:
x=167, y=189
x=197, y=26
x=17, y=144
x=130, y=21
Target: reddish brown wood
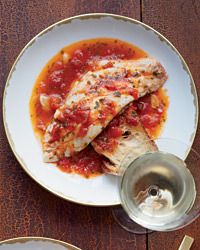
x=179, y=21
x=25, y=207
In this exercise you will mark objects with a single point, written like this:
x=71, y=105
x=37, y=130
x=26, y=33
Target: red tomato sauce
x=107, y=139
x=152, y=111
x=87, y=163
x=56, y=80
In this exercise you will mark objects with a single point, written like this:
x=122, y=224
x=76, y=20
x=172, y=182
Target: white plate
x=100, y=191
x=35, y=243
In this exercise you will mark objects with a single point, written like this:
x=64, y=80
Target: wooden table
x=26, y=209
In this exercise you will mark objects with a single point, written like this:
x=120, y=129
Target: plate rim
x=65, y=21
x=24, y=238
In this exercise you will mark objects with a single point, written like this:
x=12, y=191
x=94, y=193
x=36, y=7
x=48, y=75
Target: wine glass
x=159, y=190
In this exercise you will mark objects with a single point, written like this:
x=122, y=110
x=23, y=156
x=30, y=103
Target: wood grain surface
x=26, y=209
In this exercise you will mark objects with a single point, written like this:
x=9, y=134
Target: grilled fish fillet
x=121, y=150
x=95, y=99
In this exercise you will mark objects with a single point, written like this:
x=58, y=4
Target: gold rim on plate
x=83, y=17
x=25, y=239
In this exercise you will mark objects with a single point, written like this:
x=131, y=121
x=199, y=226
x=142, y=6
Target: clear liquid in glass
x=157, y=191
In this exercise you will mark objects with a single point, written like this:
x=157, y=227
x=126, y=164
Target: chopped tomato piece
x=151, y=120
x=78, y=116
x=82, y=115
x=132, y=121
x=142, y=106
x=107, y=144
x=82, y=131
x=76, y=63
x=55, y=133
x=108, y=65
x=111, y=86
x=55, y=79
x=114, y=132
x=55, y=101
x=134, y=93
x=70, y=127
x=78, y=54
x=57, y=66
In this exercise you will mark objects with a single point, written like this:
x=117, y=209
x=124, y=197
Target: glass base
x=125, y=222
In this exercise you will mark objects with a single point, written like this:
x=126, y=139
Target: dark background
x=26, y=208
